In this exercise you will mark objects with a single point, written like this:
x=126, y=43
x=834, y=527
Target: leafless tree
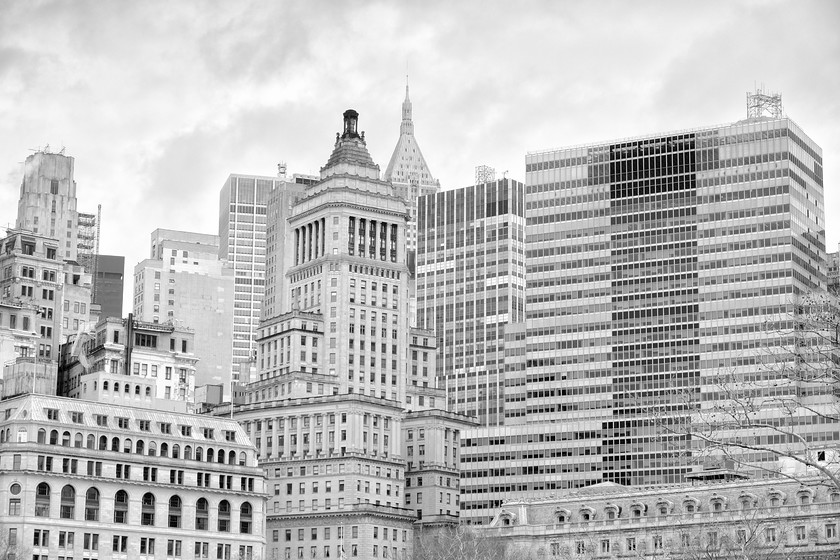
x=765, y=409
x=462, y=543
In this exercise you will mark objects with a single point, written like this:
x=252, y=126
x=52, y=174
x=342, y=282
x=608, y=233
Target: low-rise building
x=82, y=479
x=719, y=515
x=95, y=366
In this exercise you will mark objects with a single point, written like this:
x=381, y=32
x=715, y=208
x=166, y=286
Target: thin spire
x=407, y=127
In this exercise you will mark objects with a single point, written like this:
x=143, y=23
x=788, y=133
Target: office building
x=109, y=284
x=282, y=195
x=34, y=276
x=655, y=265
x=720, y=517
x=185, y=283
x=833, y=272
x=470, y=286
x=82, y=479
x=47, y=204
x=409, y=173
x=336, y=369
x=98, y=365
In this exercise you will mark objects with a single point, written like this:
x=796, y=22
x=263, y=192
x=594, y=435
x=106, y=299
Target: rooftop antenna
x=761, y=103
x=484, y=174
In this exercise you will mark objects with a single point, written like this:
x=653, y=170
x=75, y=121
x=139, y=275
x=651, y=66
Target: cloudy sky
x=160, y=101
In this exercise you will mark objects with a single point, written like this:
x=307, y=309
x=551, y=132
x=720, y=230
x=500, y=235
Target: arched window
x=174, y=512
x=562, y=515
x=202, y=513
x=188, y=453
x=42, y=500
x=68, y=502
x=79, y=440
x=127, y=445
x=232, y=458
x=199, y=454
x=148, y=391
x=121, y=507
x=127, y=389
x=164, y=449
x=116, y=387
x=104, y=385
x=42, y=436
x=65, y=439
x=210, y=455
x=224, y=516
x=242, y=459
x=91, y=441
x=92, y=505
x=245, y=518
x=115, y=444
x=176, y=451
x=220, y=456
x=147, y=511
x=54, y=437
x=103, y=443
x=152, y=449
x=137, y=390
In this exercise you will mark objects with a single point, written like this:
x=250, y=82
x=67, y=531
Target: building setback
x=471, y=288
x=654, y=265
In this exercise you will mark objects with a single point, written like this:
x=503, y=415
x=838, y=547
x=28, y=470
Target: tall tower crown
x=407, y=126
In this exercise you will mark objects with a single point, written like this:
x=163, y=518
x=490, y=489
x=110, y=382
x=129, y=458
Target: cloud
x=159, y=101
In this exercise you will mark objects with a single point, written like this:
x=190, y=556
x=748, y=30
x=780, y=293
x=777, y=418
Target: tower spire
x=407, y=126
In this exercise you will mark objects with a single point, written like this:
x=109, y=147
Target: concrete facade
x=184, y=282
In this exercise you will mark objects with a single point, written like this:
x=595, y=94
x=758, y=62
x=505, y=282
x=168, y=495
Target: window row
x=148, y=509
x=127, y=445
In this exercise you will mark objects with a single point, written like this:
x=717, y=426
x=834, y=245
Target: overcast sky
x=160, y=101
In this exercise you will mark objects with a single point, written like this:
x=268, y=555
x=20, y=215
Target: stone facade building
x=82, y=479
x=723, y=518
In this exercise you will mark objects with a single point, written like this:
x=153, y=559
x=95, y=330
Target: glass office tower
x=655, y=265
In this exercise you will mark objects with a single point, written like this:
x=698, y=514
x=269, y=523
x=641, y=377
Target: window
x=245, y=518
x=224, y=517
x=147, y=546
x=41, y=537
x=175, y=512
x=42, y=500
x=202, y=512
x=831, y=530
x=121, y=507
x=657, y=542
x=631, y=544
x=90, y=541
x=92, y=505
x=799, y=533
x=147, y=512
x=770, y=534
x=173, y=548
x=119, y=543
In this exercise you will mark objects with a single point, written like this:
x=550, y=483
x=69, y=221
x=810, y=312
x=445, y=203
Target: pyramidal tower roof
x=350, y=154
x=407, y=164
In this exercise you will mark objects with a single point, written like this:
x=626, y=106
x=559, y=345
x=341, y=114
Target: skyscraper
x=471, y=287
x=409, y=173
x=654, y=265
x=338, y=365
x=47, y=203
x=243, y=205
